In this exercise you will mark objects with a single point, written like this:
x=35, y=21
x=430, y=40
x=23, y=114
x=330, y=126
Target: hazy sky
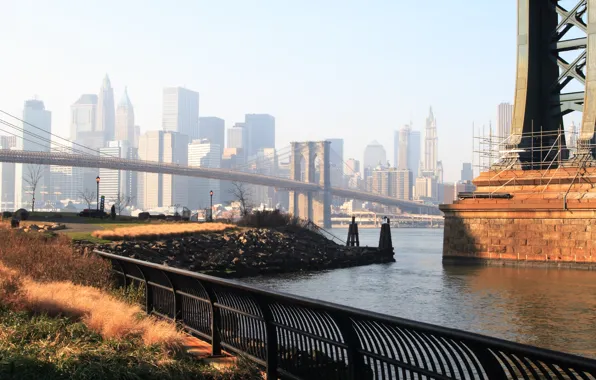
x=332, y=68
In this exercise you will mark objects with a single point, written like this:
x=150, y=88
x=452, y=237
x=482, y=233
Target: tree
x=242, y=195
x=122, y=201
x=88, y=196
x=32, y=177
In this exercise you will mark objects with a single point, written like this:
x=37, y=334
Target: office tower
x=571, y=138
x=212, y=129
x=404, y=181
x=382, y=181
x=260, y=133
x=36, y=120
x=106, y=115
x=430, y=144
x=236, y=136
x=205, y=154
x=336, y=160
x=181, y=111
x=175, y=187
x=439, y=172
x=426, y=188
x=504, y=118
x=352, y=166
x=265, y=163
x=232, y=159
x=150, y=185
x=374, y=155
x=466, y=172
x=117, y=184
x=68, y=181
x=449, y=193
x=414, y=152
x=125, y=121
x=137, y=136
x=7, y=175
x=404, y=148
x=83, y=119
x=395, y=148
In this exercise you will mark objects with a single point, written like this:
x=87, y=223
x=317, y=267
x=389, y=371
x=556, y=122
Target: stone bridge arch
x=314, y=206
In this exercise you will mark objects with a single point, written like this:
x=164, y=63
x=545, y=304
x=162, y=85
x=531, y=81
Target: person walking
x=113, y=212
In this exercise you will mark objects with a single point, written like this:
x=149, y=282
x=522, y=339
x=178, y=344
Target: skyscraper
x=260, y=133
x=181, y=111
x=125, y=120
x=236, y=137
x=213, y=129
x=83, y=120
x=106, y=115
x=7, y=176
x=504, y=117
x=336, y=160
x=175, y=187
x=116, y=183
x=205, y=154
x=150, y=187
x=404, y=148
x=374, y=155
x=414, y=152
x=430, y=144
x=36, y=120
x=466, y=172
x=396, y=148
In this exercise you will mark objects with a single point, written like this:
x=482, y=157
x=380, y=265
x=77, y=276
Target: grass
x=44, y=347
x=156, y=231
x=85, y=236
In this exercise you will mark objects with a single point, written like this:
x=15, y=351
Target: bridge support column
x=310, y=163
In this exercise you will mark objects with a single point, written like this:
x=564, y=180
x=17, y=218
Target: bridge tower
x=309, y=162
x=556, y=75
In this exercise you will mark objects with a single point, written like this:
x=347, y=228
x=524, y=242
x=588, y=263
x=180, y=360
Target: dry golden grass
x=101, y=312
x=158, y=231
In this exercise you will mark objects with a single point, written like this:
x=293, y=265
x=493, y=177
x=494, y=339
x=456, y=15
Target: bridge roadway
x=89, y=161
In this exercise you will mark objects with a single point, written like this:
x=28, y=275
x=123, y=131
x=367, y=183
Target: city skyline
x=330, y=91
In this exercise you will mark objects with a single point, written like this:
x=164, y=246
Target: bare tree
x=88, y=196
x=32, y=177
x=242, y=195
x=122, y=201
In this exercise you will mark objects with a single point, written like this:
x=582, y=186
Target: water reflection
x=551, y=308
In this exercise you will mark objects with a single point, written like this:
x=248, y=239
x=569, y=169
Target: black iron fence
x=300, y=338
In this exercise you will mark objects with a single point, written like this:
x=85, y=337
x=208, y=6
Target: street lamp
x=97, y=180
x=211, y=212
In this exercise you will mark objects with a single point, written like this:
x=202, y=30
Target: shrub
x=21, y=214
x=46, y=258
x=268, y=219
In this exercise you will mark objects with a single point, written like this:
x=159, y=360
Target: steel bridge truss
x=556, y=75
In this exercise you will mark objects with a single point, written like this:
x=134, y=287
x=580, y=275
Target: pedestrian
x=113, y=212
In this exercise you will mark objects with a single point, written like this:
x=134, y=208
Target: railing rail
x=299, y=338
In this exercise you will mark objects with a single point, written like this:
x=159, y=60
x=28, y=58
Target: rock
x=21, y=214
x=34, y=227
x=235, y=261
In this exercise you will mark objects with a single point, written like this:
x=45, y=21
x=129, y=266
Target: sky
x=357, y=70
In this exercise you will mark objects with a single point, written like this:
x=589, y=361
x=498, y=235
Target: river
x=550, y=308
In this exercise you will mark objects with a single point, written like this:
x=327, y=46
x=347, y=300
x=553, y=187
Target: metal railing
x=299, y=338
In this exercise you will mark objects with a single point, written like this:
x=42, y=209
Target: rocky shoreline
x=249, y=252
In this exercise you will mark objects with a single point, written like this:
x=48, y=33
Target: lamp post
x=97, y=180
x=211, y=200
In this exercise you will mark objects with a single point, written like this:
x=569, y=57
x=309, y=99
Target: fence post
x=215, y=321
x=271, y=337
x=148, y=292
x=356, y=365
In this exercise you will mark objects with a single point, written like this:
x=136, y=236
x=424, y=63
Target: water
x=550, y=308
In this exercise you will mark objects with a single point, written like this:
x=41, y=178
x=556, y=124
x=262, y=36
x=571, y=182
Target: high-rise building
x=175, y=187
x=352, y=167
x=7, y=175
x=571, y=138
x=414, y=152
x=396, y=148
x=427, y=188
x=430, y=144
x=181, y=111
x=117, y=184
x=83, y=122
x=449, y=193
x=106, y=114
x=236, y=137
x=68, y=181
x=404, y=181
x=504, y=118
x=439, y=172
x=205, y=154
x=392, y=182
x=260, y=133
x=374, y=155
x=404, y=148
x=336, y=161
x=137, y=136
x=232, y=159
x=125, y=121
x=213, y=129
x=466, y=172
x=150, y=185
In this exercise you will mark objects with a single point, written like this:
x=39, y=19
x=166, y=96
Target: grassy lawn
x=52, y=348
x=85, y=236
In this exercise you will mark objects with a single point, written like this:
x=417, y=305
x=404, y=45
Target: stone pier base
x=547, y=220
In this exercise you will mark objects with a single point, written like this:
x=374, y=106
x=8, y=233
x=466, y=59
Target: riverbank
x=247, y=252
